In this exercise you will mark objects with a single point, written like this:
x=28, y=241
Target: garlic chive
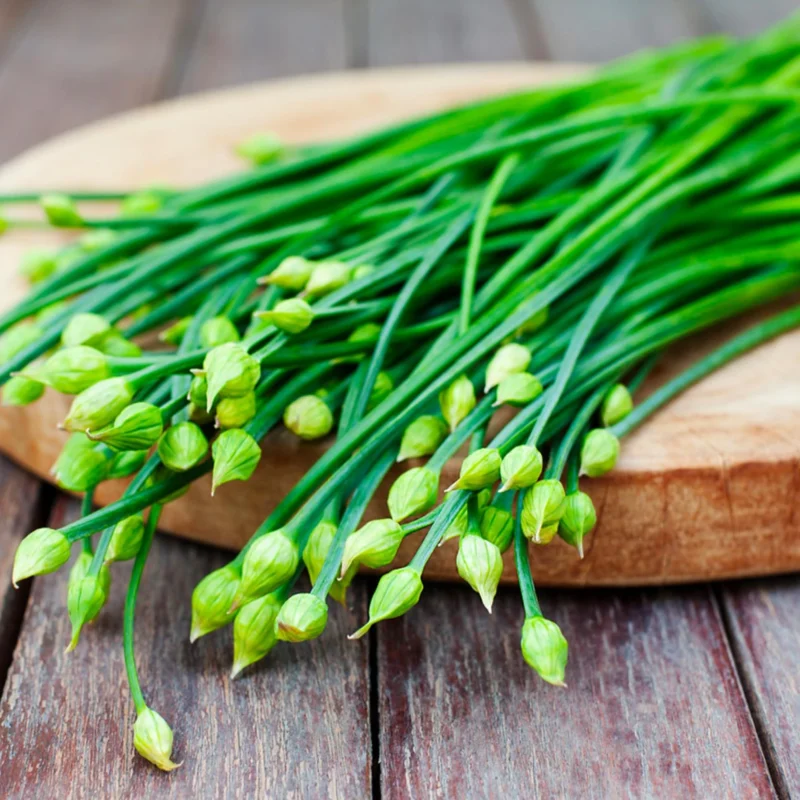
x=182, y=446
x=510, y=359
x=578, y=519
x=521, y=467
x=212, y=599
x=374, y=545
x=422, y=437
x=599, y=452
x=302, y=617
x=412, y=493
x=544, y=649
x=236, y=455
x=308, y=417
x=518, y=389
x=254, y=631
x=292, y=273
x=480, y=564
x=617, y=404
x=542, y=508
x=269, y=563
x=217, y=331
x=293, y=315
x=39, y=553
x=99, y=405
x=153, y=739
x=480, y=469
x=396, y=592
x=457, y=400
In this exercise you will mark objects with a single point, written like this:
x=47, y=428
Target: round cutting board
x=708, y=488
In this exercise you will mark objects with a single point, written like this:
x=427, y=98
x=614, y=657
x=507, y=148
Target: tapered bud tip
x=235, y=412
x=413, y=493
x=99, y=405
x=86, y=595
x=136, y=427
x=293, y=315
x=599, y=452
x=61, y=211
x=71, y=370
x=211, y=601
x=38, y=264
x=510, y=359
x=269, y=563
x=292, y=273
x=521, y=467
x=126, y=539
x=479, y=469
x=308, y=417
x=518, y=389
x=326, y=277
x=236, y=455
x=182, y=446
x=457, y=400
x=140, y=204
x=230, y=372
x=217, y=331
x=254, y=631
x=301, y=618
x=260, y=148
x=544, y=648
x=422, y=437
x=85, y=329
x=542, y=507
x=396, y=592
x=39, y=553
x=374, y=545
x=480, y=564
x=578, y=520
x=617, y=404
x=381, y=389
x=152, y=738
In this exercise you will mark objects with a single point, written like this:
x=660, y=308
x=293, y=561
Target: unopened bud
x=16, y=339
x=212, y=599
x=126, y=463
x=152, y=738
x=578, y=519
x=126, y=539
x=480, y=564
x=397, y=592
x=140, y=204
x=362, y=270
x=521, y=467
x=72, y=370
x=382, y=388
x=254, y=631
x=217, y=331
x=99, y=405
x=374, y=545
x=22, y=391
x=260, y=148
x=85, y=328
x=368, y=332
x=413, y=493
x=269, y=563
x=230, y=372
x=510, y=359
x=116, y=345
x=479, y=469
x=317, y=548
x=174, y=333
x=422, y=437
x=182, y=446
x=39, y=553
x=292, y=273
x=599, y=452
x=542, y=508
x=518, y=390
x=86, y=595
x=457, y=400
x=95, y=240
x=236, y=455
x=617, y=404
x=544, y=648
x=497, y=527
x=198, y=391
x=61, y=211
x=81, y=465
x=235, y=412
x=291, y=316
x=326, y=277
x=308, y=417
x=37, y=265
x=302, y=617
x=137, y=427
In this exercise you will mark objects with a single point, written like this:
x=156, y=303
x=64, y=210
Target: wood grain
x=764, y=623
x=683, y=504
x=654, y=708
x=297, y=726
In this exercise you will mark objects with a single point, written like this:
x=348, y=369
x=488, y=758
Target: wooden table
x=691, y=692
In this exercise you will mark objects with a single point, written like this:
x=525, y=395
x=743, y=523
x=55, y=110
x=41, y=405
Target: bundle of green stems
x=536, y=251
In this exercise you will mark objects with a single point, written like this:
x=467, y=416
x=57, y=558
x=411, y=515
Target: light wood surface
x=707, y=489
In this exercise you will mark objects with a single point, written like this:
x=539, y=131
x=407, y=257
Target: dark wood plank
x=764, y=622
x=745, y=17
x=421, y=31
x=653, y=709
x=296, y=727
x=249, y=40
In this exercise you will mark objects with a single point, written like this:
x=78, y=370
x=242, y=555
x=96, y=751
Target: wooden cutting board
x=708, y=488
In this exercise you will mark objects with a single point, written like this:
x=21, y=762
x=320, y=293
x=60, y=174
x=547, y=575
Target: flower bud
x=217, y=331
x=99, y=405
x=182, y=446
x=382, y=388
x=61, y=211
x=16, y=339
x=81, y=465
x=198, y=391
x=86, y=595
x=302, y=617
x=212, y=599
x=422, y=437
x=497, y=527
x=458, y=527
x=544, y=648
x=479, y=469
x=236, y=455
x=22, y=391
x=126, y=463
x=230, y=372
x=39, y=553
x=599, y=452
x=510, y=359
x=291, y=316
x=174, y=333
x=397, y=592
x=362, y=270
x=368, y=332
x=317, y=547
x=483, y=498
x=617, y=404
x=326, y=277
x=518, y=390
x=235, y=412
x=292, y=273
x=116, y=345
x=137, y=427
x=260, y=148
x=578, y=519
x=84, y=328
x=254, y=631
x=457, y=400
x=140, y=204
x=480, y=564
x=308, y=417
x=535, y=322
x=521, y=467
x=152, y=738
x=413, y=493
x=542, y=507
x=95, y=240
x=37, y=264
x=74, y=369
x=373, y=545
x=126, y=539
x=269, y=563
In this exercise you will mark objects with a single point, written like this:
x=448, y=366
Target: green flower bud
x=578, y=519
x=317, y=547
x=86, y=595
x=198, y=414
x=212, y=599
x=260, y=148
x=269, y=563
x=458, y=527
x=48, y=312
x=198, y=391
x=326, y=277
x=292, y=316
x=152, y=738
x=292, y=273
x=383, y=387
x=308, y=417
x=236, y=455
x=302, y=617
x=497, y=527
x=126, y=539
x=422, y=437
x=116, y=345
x=483, y=498
x=254, y=631
x=544, y=648
x=182, y=446
x=174, y=333
x=217, y=331
x=510, y=359
x=99, y=405
x=22, y=391
x=542, y=507
x=479, y=469
x=457, y=400
x=74, y=369
x=521, y=467
x=235, y=412
x=413, y=493
x=480, y=564
x=125, y=464
x=368, y=332
x=84, y=328
x=599, y=453
x=39, y=553
x=137, y=427
x=37, y=264
x=230, y=372
x=373, y=545
x=95, y=240
x=16, y=339
x=81, y=466
x=61, y=211
x=617, y=404
x=397, y=592
x=140, y=204
x=362, y=270
x=535, y=322
x=518, y=390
